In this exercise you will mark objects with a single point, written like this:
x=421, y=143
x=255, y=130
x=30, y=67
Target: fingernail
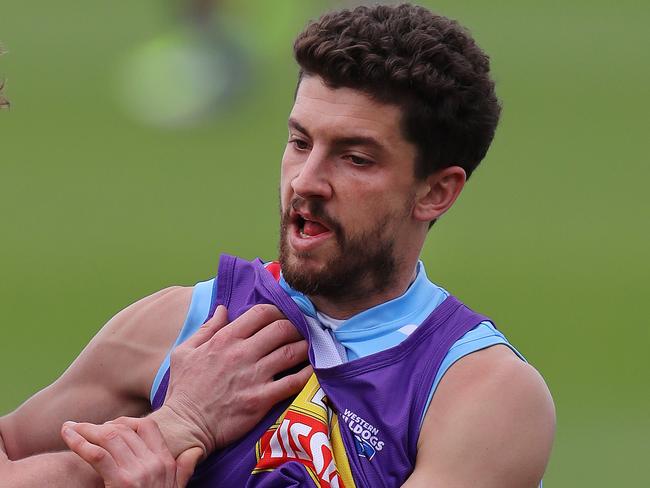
x=70, y=422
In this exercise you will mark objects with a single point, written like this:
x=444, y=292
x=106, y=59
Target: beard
x=362, y=264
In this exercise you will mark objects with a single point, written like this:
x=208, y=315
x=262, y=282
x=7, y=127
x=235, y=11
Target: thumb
x=209, y=328
x=185, y=464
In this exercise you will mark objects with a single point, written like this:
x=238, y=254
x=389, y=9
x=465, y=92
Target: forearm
x=56, y=470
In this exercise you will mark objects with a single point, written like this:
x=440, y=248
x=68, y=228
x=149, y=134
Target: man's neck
x=344, y=308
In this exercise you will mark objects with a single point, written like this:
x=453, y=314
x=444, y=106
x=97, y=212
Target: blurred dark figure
x=188, y=74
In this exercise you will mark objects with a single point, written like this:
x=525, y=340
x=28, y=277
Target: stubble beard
x=362, y=264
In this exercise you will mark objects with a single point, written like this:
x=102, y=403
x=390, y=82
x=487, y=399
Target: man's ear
x=438, y=192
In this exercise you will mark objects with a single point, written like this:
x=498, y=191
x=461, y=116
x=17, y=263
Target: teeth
x=301, y=227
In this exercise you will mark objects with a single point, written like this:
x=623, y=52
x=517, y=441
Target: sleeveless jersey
x=355, y=424
x=373, y=330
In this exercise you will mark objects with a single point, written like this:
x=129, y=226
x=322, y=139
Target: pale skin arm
x=110, y=378
x=113, y=375
x=490, y=424
x=129, y=452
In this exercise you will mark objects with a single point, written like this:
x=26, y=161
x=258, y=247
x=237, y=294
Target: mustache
x=317, y=209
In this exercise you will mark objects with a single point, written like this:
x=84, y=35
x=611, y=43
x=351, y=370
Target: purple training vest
x=355, y=424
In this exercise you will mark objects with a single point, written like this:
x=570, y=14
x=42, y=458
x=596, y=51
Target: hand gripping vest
x=353, y=425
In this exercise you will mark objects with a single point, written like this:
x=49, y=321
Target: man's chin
x=309, y=272
x=302, y=264
x=302, y=273
x=316, y=257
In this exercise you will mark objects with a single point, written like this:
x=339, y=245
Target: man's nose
x=312, y=180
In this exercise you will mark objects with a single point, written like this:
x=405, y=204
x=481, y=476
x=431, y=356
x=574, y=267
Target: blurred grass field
x=551, y=237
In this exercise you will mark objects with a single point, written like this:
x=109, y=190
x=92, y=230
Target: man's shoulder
x=155, y=315
x=171, y=300
x=136, y=340
x=493, y=373
x=492, y=413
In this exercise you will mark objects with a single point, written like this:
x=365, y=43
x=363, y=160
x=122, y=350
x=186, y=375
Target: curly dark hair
x=425, y=63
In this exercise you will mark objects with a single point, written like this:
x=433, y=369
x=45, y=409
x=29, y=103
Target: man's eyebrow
x=294, y=124
x=344, y=141
x=369, y=142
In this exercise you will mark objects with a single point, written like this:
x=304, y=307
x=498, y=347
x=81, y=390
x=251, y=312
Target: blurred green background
x=551, y=238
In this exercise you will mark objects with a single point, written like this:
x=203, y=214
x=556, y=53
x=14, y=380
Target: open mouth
x=309, y=228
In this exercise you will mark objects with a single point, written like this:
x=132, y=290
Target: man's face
x=347, y=192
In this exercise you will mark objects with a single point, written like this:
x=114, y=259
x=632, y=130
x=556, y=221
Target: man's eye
x=358, y=161
x=299, y=144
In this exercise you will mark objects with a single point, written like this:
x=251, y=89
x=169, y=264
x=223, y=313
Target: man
x=394, y=110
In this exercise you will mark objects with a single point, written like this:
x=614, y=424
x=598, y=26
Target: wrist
x=180, y=433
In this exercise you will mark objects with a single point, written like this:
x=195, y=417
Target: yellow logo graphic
x=308, y=433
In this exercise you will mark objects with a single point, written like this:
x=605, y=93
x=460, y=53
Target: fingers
x=273, y=336
x=185, y=464
x=284, y=357
x=289, y=385
x=255, y=319
x=210, y=328
x=150, y=433
x=130, y=422
x=122, y=456
x=121, y=442
x=96, y=456
x=146, y=429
